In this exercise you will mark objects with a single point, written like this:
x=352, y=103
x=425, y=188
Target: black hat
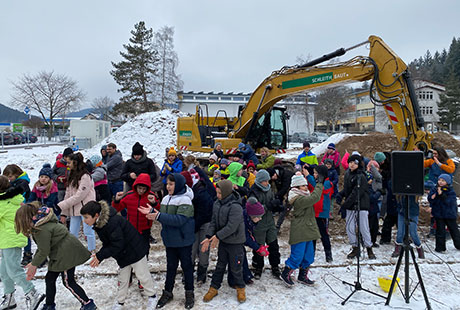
x=138, y=149
x=356, y=158
x=322, y=171
x=306, y=144
x=271, y=171
x=238, y=154
x=68, y=151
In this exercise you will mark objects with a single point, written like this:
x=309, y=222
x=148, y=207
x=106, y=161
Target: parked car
x=7, y=138
x=300, y=137
x=18, y=138
x=320, y=136
x=65, y=137
x=32, y=138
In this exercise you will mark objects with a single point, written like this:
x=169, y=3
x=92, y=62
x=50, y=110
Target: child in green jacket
x=11, y=245
x=64, y=250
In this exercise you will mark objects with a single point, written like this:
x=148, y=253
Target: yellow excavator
x=261, y=124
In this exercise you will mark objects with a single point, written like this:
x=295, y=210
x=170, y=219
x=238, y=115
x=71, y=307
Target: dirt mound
x=447, y=142
x=368, y=144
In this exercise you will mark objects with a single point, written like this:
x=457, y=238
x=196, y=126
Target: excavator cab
x=270, y=130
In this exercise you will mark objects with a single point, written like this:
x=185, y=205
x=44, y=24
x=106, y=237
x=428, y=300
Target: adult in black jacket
x=137, y=164
x=355, y=194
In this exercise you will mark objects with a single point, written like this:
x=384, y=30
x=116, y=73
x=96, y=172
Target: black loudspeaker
x=407, y=172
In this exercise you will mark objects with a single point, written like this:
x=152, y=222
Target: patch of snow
x=335, y=138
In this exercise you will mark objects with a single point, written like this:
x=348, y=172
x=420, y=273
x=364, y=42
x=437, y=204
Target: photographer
x=437, y=162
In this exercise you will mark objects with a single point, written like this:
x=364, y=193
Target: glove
x=278, y=208
x=274, y=204
x=263, y=250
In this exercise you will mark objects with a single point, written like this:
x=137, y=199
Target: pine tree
x=135, y=73
x=449, y=106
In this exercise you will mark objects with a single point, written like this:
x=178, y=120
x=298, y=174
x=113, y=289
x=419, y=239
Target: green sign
x=185, y=133
x=320, y=78
x=17, y=127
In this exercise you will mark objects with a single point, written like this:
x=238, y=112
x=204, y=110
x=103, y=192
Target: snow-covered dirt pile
x=156, y=131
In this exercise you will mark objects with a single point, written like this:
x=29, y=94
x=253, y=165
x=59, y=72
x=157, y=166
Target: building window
x=213, y=98
x=200, y=97
x=238, y=98
x=225, y=98
x=188, y=97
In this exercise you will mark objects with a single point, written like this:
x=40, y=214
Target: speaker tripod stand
x=407, y=248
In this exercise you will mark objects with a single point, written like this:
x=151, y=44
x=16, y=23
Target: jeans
x=12, y=273
x=87, y=230
x=173, y=256
x=302, y=255
x=68, y=280
x=413, y=221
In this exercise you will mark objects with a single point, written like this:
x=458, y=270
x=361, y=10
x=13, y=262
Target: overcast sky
x=222, y=46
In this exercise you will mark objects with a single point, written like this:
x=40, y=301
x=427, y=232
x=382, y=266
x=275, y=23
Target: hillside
x=8, y=115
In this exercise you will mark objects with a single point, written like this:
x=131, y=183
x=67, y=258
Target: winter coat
x=143, y=165
x=303, y=224
x=23, y=182
x=114, y=166
x=99, y=175
x=323, y=206
x=10, y=202
x=60, y=172
x=208, y=183
x=76, y=197
x=283, y=182
x=225, y=173
x=55, y=242
x=443, y=206
x=266, y=223
x=157, y=185
x=249, y=226
x=334, y=178
x=50, y=200
x=241, y=182
x=119, y=238
x=202, y=205
x=227, y=220
x=211, y=168
x=351, y=193
x=377, y=182
x=436, y=170
x=335, y=156
x=305, y=158
x=219, y=154
x=266, y=162
x=249, y=154
x=176, y=217
x=176, y=167
x=132, y=201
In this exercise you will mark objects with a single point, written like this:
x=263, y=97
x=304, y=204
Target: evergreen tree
x=449, y=106
x=135, y=72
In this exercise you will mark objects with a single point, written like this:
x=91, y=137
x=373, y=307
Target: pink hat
x=254, y=208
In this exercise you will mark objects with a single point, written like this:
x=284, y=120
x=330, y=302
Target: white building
x=428, y=94
x=301, y=113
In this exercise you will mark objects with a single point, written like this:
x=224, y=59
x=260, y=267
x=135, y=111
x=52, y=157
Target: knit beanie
x=278, y=162
x=251, y=164
x=355, y=158
x=241, y=145
x=225, y=161
x=254, y=208
x=195, y=176
x=218, y=172
x=262, y=176
x=95, y=159
x=68, y=151
x=138, y=149
x=446, y=178
x=298, y=180
x=226, y=188
x=329, y=161
x=188, y=178
x=331, y=146
x=379, y=157
x=213, y=157
x=172, y=151
x=46, y=170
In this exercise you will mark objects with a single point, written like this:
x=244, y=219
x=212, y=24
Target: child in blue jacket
x=443, y=202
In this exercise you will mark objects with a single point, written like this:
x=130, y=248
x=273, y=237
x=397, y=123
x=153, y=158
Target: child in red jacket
x=139, y=196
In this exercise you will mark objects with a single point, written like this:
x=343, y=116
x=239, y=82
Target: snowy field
x=441, y=272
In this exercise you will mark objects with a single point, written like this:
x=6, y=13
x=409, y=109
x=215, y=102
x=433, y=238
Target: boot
x=329, y=257
x=370, y=253
x=354, y=252
x=33, y=299
x=164, y=299
x=241, y=294
x=189, y=299
x=303, y=277
x=89, y=306
x=397, y=250
x=26, y=259
x=286, y=276
x=420, y=252
x=201, y=275
x=212, y=292
x=8, y=302
x=258, y=273
x=276, y=272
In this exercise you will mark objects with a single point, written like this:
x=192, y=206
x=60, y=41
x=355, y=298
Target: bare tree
x=167, y=82
x=331, y=105
x=103, y=106
x=47, y=93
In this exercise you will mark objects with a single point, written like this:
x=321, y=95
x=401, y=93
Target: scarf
x=263, y=188
x=42, y=212
x=295, y=193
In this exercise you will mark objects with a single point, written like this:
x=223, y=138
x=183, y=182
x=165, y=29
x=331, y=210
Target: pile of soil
x=446, y=141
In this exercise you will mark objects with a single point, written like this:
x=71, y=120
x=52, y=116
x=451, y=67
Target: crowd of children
x=229, y=203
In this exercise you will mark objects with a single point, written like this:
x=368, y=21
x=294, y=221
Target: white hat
x=298, y=180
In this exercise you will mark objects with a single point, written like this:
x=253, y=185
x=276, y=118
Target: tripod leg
x=419, y=275
x=395, y=276
x=349, y=296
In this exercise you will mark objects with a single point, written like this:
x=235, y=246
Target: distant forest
x=8, y=115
